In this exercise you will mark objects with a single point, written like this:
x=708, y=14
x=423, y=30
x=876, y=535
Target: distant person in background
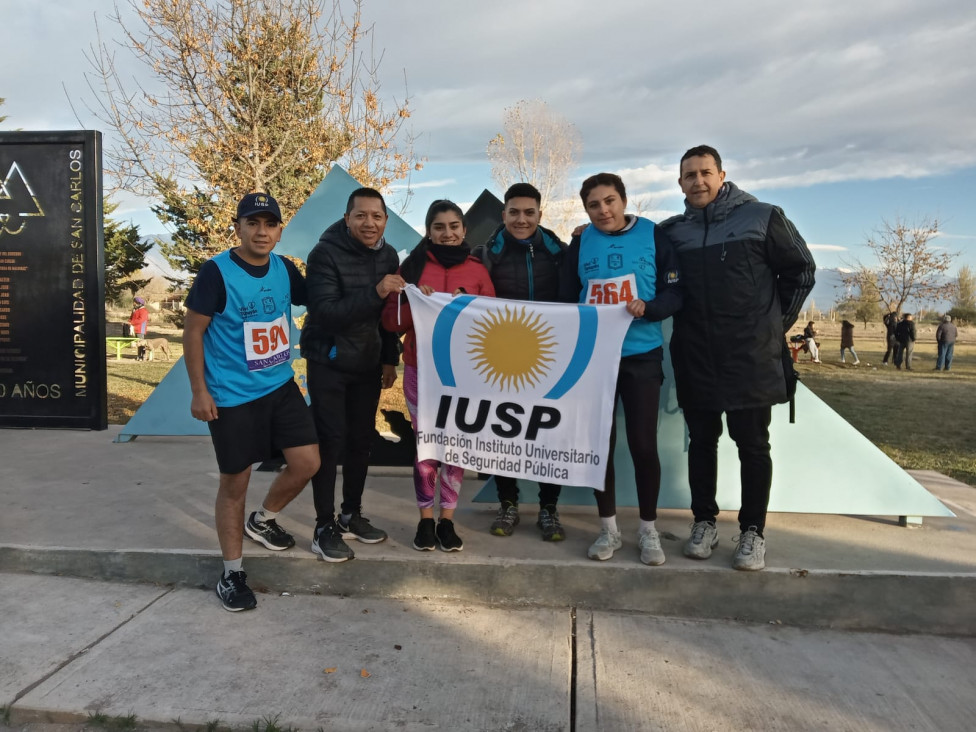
x=945, y=337
x=890, y=322
x=810, y=333
x=139, y=318
x=138, y=322
x=905, y=335
x=847, y=341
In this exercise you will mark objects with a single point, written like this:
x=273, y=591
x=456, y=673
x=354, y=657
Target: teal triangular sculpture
x=167, y=410
x=324, y=207
x=849, y=475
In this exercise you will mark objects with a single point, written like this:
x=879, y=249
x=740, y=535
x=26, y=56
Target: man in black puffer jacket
x=350, y=358
x=746, y=272
x=524, y=261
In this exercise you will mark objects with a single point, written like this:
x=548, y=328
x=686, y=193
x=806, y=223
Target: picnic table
x=120, y=342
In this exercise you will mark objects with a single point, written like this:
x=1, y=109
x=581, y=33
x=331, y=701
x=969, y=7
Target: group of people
x=900, y=336
x=729, y=264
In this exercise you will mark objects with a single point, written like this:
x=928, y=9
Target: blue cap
x=258, y=203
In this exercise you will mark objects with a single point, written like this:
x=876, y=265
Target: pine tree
x=125, y=255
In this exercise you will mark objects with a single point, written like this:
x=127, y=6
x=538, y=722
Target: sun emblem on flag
x=511, y=348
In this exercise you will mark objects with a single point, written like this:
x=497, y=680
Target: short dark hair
x=603, y=179
x=523, y=190
x=700, y=151
x=440, y=206
x=364, y=193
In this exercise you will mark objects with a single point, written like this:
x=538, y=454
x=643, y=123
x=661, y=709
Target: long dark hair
x=413, y=265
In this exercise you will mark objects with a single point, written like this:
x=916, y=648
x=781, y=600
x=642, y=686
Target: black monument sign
x=52, y=289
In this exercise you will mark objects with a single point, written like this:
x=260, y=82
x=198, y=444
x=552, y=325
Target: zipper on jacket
x=708, y=295
x=528, y=266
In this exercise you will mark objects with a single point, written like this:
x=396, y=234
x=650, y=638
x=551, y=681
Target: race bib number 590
x=266, y=344
x=612, y=291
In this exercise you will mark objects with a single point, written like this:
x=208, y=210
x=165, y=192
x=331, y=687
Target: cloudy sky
x=844, y=113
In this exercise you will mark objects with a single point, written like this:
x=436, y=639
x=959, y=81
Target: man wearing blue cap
x=236, y=343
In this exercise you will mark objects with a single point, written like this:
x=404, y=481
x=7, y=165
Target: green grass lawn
x=921, y=419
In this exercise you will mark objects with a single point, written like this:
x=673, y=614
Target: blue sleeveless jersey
x=612, y=258
x=246, y=347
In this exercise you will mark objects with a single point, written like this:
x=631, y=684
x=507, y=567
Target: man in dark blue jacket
x=746, y=272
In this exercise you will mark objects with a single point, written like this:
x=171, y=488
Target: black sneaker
x=268, y=533
x=548, y=522
x=234, y=593
x=361, y=529
x=447, y=538
x=328, y=544
x=506, y=520
x=425, y=541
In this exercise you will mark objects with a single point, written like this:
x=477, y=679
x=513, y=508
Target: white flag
x=509, y=387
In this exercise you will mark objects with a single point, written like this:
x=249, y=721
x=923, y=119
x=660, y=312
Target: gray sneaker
x=750, y=555
x=605, y=545
x=649, y=543
x=704, y=538
x=506, y=520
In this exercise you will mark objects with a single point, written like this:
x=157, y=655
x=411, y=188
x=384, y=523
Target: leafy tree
x=246, y=95
x=125, y=255
x=964, y=302
x=906, y=266
x=3, y=117
x=965, y=295
x=536, y=146
x=862, y=305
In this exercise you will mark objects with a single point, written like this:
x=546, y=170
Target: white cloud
x=827, y=248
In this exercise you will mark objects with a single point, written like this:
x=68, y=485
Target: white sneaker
x=649, y=543
x=750, y=555
x=605, y=545
x=857, y=362
x=704, y=538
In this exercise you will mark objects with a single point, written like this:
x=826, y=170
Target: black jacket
x=745, y=272
x=523, y=271
x=342, y=327
x=905, y=331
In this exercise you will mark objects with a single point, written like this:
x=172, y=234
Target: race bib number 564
x=266, y=344
x=612, y=291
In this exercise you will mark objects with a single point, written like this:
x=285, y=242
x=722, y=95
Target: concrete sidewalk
x=78, y=504
x=512, y=634
x=74, y=648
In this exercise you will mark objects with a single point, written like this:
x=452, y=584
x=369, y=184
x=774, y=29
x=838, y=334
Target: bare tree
x=536, y=146
x=241, y=95
x=906, y=267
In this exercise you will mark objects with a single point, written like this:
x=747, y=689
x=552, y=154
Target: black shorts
x=254, y=431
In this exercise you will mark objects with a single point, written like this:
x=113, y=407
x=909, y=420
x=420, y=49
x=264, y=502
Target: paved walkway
x=108, y=557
